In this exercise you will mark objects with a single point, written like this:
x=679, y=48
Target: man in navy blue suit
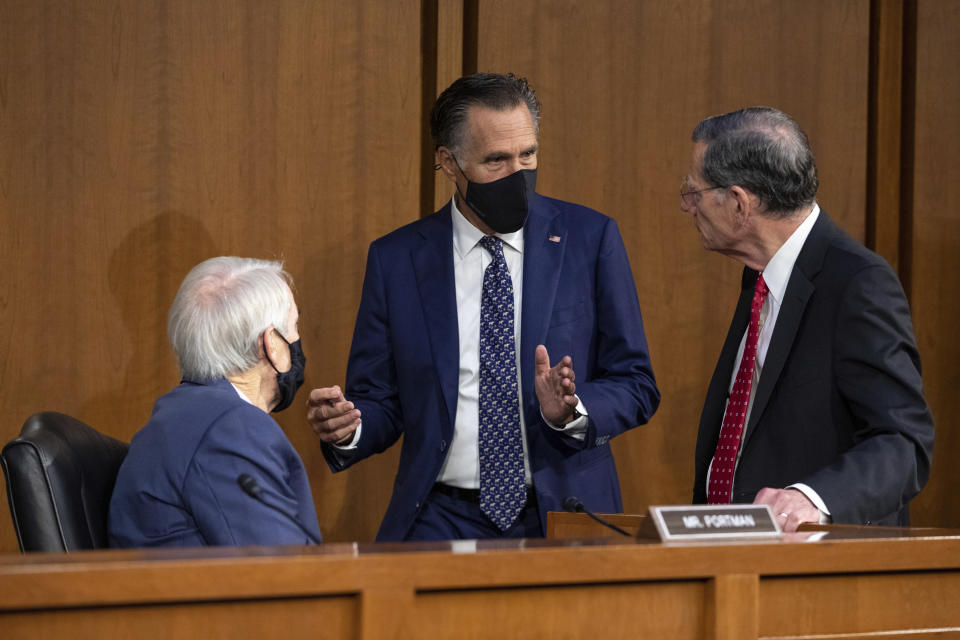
x=211, y=440
x=459, y=314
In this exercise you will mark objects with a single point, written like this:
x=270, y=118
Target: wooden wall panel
x=935, y=231
x=623, y=84
x=139, y=138
x=884, y=137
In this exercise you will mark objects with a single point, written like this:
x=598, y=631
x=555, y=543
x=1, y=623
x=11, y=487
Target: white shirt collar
x=777, y=272
x=466, y=236
x=241, y=393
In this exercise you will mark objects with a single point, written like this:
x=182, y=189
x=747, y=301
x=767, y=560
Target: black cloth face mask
x=289, y=381
x=502, y=204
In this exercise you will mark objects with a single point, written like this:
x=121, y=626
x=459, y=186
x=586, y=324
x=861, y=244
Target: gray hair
x=222, y=307
x=763, y=150
x=493, y=90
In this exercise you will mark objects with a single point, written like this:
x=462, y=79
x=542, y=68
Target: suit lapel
x=433, y=267
x=544, y=243
x=799, y=289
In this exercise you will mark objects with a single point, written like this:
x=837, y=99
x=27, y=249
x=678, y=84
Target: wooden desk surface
x=825, y=584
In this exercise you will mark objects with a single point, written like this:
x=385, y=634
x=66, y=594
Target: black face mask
x=289, y=381
x=502, y=204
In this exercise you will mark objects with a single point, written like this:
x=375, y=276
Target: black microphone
x=573, y=505
x=252, y=489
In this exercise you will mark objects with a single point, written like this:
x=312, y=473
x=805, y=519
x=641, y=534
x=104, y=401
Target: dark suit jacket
x=839, y=404
x=579, y=298
x=178, y=483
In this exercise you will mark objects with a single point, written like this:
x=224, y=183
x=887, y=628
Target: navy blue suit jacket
x=839, y=405
x=178, y=483
x=579, y=298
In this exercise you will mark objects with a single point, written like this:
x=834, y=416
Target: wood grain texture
x=622, y=85
x=327, y=618
x=561, y=524
x=622, y=611
x=140, y=138
x=935, y=279
x=860, y=602
x=733, y=607
x=449, y=67
x=885, y=135
x=866, y=581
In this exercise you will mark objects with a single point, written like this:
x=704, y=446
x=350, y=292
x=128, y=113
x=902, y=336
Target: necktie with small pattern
x=502, y=489
x=725, y=456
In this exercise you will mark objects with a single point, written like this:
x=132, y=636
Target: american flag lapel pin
x=554, y=238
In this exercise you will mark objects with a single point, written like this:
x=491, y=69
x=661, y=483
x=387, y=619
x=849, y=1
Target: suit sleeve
x=877, y=372
x=243, y=442
x=621, y=391
x=371, y=375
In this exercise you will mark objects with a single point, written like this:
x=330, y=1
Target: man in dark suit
x=816, y=405
x=459, y=314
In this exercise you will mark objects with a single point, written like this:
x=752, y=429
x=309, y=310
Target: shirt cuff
x=353, y=441
x=576, y=429
x=815, y=498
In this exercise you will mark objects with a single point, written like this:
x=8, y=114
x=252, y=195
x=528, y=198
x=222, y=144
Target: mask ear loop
x=463, y=197
x=266, y=354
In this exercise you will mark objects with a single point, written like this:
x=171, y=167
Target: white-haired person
x=212, y=467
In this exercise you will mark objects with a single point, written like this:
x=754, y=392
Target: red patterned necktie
x=725, y=457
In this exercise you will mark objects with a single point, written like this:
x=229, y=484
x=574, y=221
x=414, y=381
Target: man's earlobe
x=447, y=163
x=745, y=200
x=443, y=157
x=742, y=212
x=265, y=346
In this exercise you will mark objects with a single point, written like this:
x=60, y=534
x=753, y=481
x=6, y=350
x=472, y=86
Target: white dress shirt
x=470, y=260
x=777, y=275
x=462, y=465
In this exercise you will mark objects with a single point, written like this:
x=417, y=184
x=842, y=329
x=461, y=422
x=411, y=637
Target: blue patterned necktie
x=502, y=489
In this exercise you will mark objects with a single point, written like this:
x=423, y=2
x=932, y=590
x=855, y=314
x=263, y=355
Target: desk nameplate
x=714, y=522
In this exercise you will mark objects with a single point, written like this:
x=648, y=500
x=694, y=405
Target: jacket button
x=443, y=445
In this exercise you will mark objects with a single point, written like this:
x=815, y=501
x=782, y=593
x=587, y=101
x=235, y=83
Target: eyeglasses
x=692, y=198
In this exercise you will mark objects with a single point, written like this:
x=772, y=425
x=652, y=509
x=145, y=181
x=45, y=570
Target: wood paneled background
x=931, y=237
x=138, y=138
x=616, y=137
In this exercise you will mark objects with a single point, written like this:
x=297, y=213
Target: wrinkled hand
x=790, y=507
x=555, y=387
x=332, y=417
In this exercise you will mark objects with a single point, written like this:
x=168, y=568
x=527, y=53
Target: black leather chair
x=60, y=474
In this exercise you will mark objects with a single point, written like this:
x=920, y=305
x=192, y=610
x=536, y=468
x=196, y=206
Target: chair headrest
x=60, y=474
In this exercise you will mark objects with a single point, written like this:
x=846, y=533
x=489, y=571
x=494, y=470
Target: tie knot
x=493, y=244
x=760, y=288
